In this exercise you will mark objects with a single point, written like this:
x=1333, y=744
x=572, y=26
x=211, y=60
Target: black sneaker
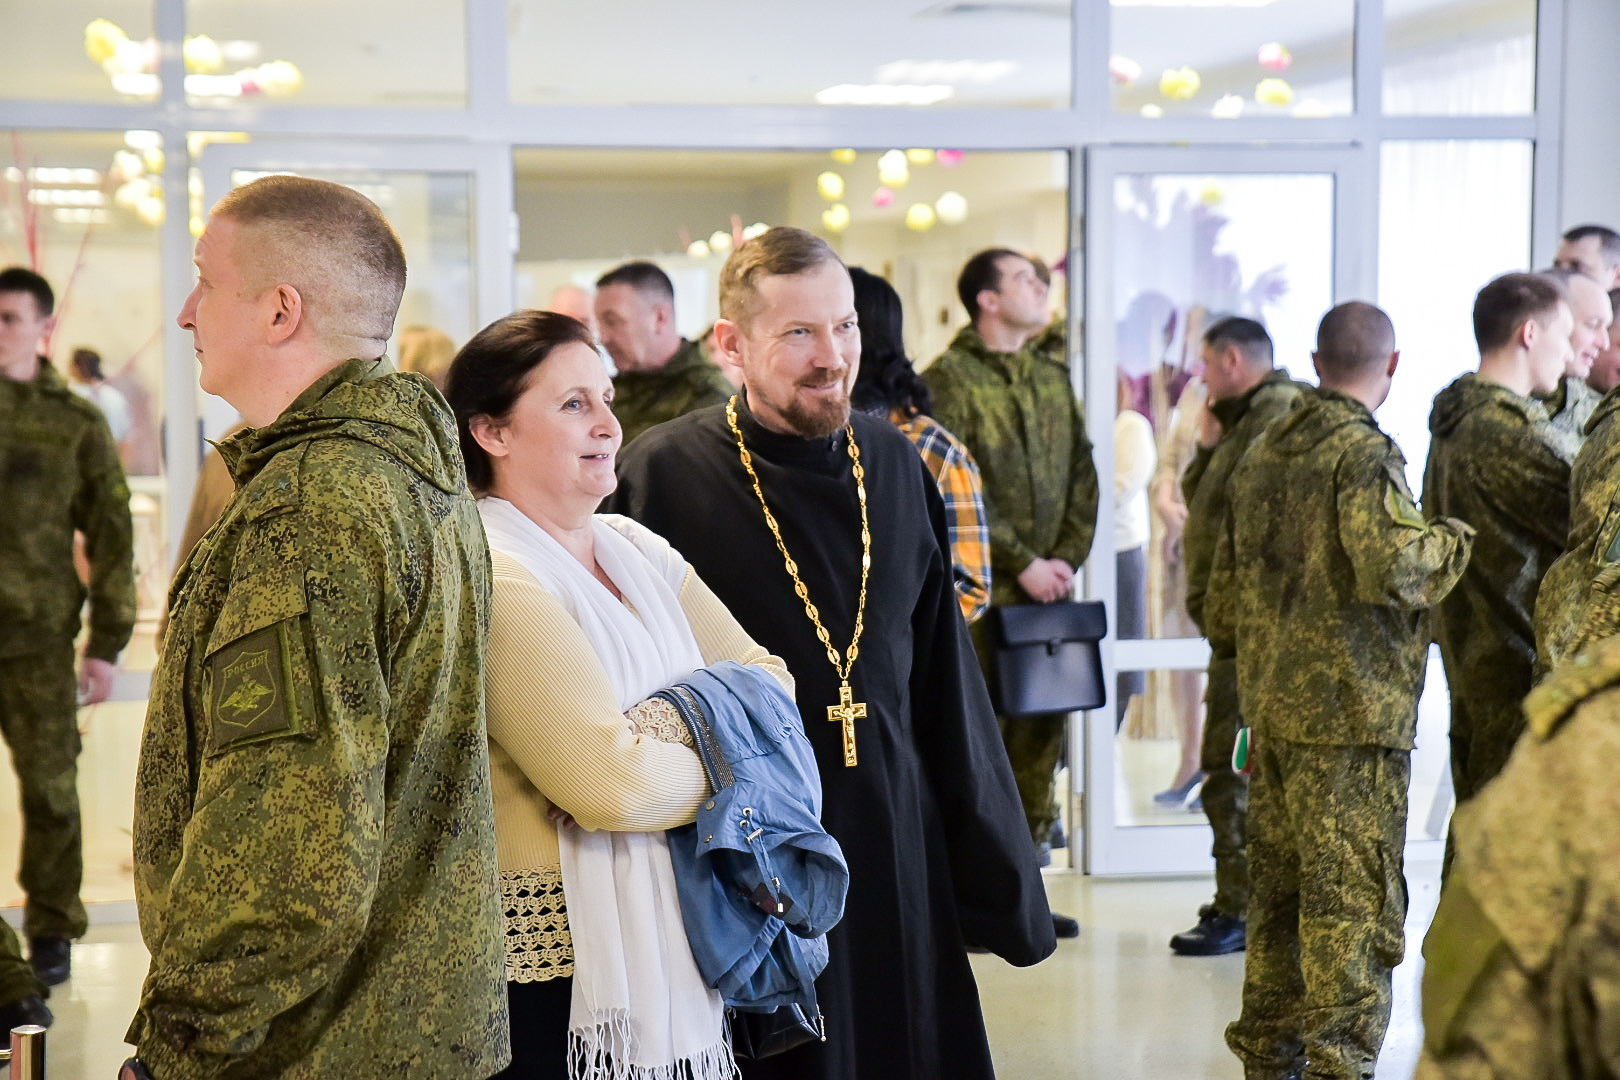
x=1215, y=935
x=1065, y=926
x=52, y=958
x=30, y=1010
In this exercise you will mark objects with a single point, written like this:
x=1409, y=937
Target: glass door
x=1177, y=239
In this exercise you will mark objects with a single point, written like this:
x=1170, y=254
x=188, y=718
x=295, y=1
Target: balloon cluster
x=894, y=172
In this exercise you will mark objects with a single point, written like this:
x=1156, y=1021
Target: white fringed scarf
x=640, y=1009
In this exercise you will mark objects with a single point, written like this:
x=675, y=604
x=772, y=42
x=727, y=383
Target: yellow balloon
x=920, y=157
x=920, y=217
x=1274, y=91
x=831, y=186
x=835, y=218
x=844, y=156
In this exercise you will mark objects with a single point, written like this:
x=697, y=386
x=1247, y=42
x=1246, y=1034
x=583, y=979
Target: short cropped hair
x=86, y=364
x=19, y=279
x=782, y=251
x=1508, y=302
x=334, y=246
x=642, y=276
x=1608, y=240
x=492, y=370
x=1249, y=336
x=1353, y=338
x=979, y=273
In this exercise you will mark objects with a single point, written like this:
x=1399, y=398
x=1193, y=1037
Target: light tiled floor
x=1112, y=1005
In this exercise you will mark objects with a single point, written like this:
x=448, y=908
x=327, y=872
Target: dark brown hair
x=492, y=370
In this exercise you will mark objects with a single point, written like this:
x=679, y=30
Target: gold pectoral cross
x=846, y=712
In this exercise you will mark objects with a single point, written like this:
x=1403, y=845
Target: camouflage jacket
x=59, y=473
x=689, y=381
x=1590, y=565
x=1570, y=407
x=314, y=835
x=1522, y=974
x=1323, y=578
x=1204, y=484
x=1018, y=416
x=1496, y=463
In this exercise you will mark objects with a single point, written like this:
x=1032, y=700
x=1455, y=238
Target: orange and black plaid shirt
x=957, y=475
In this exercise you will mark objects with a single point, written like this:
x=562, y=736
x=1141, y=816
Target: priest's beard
x=813, y=418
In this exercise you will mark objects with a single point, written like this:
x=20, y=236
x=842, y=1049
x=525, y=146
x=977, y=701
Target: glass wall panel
x=840, y=52
x=584, y=212
x=78, y=50
x=83, y=209
x=1156, y=777
x=302, y=52
x=1439, y=241
x=1190, y=249
x=1197, y=57
x=1459, y=57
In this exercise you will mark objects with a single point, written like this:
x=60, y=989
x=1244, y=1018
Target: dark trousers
x=1483, y=734
x=1225, y=794
x=1327, y=833
x=539, y=1030
x=1130, y=621
x=39, y=720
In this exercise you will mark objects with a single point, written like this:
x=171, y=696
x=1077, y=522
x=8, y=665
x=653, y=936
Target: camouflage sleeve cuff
x=105, y=647
x=1460, y=525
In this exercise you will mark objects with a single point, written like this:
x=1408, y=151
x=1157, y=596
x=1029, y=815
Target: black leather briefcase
x=1047, y=657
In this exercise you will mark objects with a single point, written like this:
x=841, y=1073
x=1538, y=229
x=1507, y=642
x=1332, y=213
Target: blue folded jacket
x=760, y=880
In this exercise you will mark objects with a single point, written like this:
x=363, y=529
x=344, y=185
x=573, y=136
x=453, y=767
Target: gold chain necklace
x=848, y=710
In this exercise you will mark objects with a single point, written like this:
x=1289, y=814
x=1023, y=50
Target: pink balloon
x=949, y=158
x=882, y=196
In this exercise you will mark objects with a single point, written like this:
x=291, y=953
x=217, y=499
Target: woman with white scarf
x=591, y=615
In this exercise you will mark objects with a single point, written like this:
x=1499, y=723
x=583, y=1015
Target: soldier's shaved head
x=330, y=243
x=1353, y=340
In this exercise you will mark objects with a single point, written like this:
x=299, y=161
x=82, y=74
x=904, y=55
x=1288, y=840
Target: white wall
x=1590, y=186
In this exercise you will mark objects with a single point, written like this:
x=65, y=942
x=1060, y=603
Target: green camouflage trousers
x=1483, y=734
x=39, y=720
x=1225, y=793
x=1327, y=829
x=1034, y=746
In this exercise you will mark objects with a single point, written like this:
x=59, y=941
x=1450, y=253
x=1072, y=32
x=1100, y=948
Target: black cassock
x=929, y=819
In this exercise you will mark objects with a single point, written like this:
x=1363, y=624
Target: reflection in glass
x=1156, y=773
x=78, y=50
x=302, y=52
x=83, y=209
x=1190, y=249
x=583, y=212
x=1284, y=58
x=1459, y=58
x=843, y=53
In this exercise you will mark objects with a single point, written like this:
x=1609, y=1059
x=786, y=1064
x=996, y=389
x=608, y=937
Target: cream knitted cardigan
x=557, y=737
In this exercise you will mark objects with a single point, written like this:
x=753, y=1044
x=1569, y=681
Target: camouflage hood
x=1321, y=415
x=403, y=415
x=1470, y=392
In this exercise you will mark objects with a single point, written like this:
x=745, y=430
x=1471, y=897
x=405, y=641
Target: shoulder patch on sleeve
x=1399, y=504
x=254, y=694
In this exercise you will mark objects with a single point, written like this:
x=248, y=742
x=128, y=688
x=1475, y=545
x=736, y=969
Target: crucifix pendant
x=846, y=712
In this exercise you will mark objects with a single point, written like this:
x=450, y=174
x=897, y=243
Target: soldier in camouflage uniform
x=59, y=473
x=1571, y=405
x=1247, y=396
x=1324, y=578
x=1590, y=565
x=314, y=836
x=1015, y=410
x=1497, y=463
x=660, y=375
x=1522, y=975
